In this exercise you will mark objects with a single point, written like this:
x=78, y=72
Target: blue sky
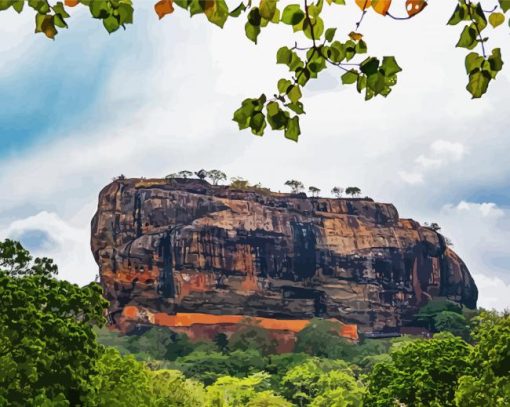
x=158, y=98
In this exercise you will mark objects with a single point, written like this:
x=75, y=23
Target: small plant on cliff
x=337, y=192
x=216, y=176
x=295, y=186
x=181, y=174
x=239, y=183
x=314, y=191
x=353, y=191
x=435, y=226
x=202, y=174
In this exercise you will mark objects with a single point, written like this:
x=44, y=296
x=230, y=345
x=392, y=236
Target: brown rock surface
x=184, y=246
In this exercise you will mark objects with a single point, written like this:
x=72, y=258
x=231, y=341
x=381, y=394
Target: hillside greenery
x=56, y=351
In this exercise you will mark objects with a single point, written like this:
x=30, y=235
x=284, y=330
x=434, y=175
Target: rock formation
x=167, y=247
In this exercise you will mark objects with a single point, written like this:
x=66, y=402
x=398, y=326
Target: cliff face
x=184, y=246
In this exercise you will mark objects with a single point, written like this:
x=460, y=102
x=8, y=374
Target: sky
x=159, y=97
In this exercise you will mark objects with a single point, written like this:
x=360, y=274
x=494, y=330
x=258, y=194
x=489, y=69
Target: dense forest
x=55, y=350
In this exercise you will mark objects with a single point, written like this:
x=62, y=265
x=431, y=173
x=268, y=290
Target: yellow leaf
x=414, y=7
x=496, y=19
x=163, y=8
x=355, y=36
x=364, y=4
x=381, y=6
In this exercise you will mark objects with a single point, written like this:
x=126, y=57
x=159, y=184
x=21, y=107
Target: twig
x=362, y=15
x=480, y=38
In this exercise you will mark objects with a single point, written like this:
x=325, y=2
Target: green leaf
x=59, y=21
x=59, y=9
x=361, y=47
x=196, y=7
x=284, y=56
x=505, y=5
x=495, y=62
x=41, y=6
x=258, y=123
x=292, y=14
x=294, y=94
x=496, y=19
x=316, y=61
x=336, y=52
x=272, y=108
x=267, y=9
x=252, y=32
x=295, y=62
x=330, y=34
x=369, y=66
x=5, y=4
x=468, y=37
x=479, y=17
x=111, y=24
x=350, y=50
x=183, y=3
x=376, y=82
x=350, y=77
x=18, y=5
x=292, y=131
x=303, y=75
x=254, y=17
x=478, y=83
x=296, y=107
x=238, y=10
x=361, y=83
x=276, y=117
x=243, y=115
x=315, y=9
x=313, y=28
x=283, y=85
x=473, y=61
x=125, y=13
x=389, y=66
x=99, y=9
x=460, y=14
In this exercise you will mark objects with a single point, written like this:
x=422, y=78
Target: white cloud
x=441, y=154
x=486, y=209
x=427, y=162
x=449, y=150
x=62, y=242
x=494, y=293
x=411, y=177
x=480, y=233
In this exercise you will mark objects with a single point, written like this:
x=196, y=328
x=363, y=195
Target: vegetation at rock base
x=338, y=48
x=55, y=351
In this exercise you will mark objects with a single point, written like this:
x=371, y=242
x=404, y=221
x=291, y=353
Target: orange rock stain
x=187, y=320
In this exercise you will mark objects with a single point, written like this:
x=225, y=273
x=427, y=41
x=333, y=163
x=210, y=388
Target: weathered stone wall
x=186, y=246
